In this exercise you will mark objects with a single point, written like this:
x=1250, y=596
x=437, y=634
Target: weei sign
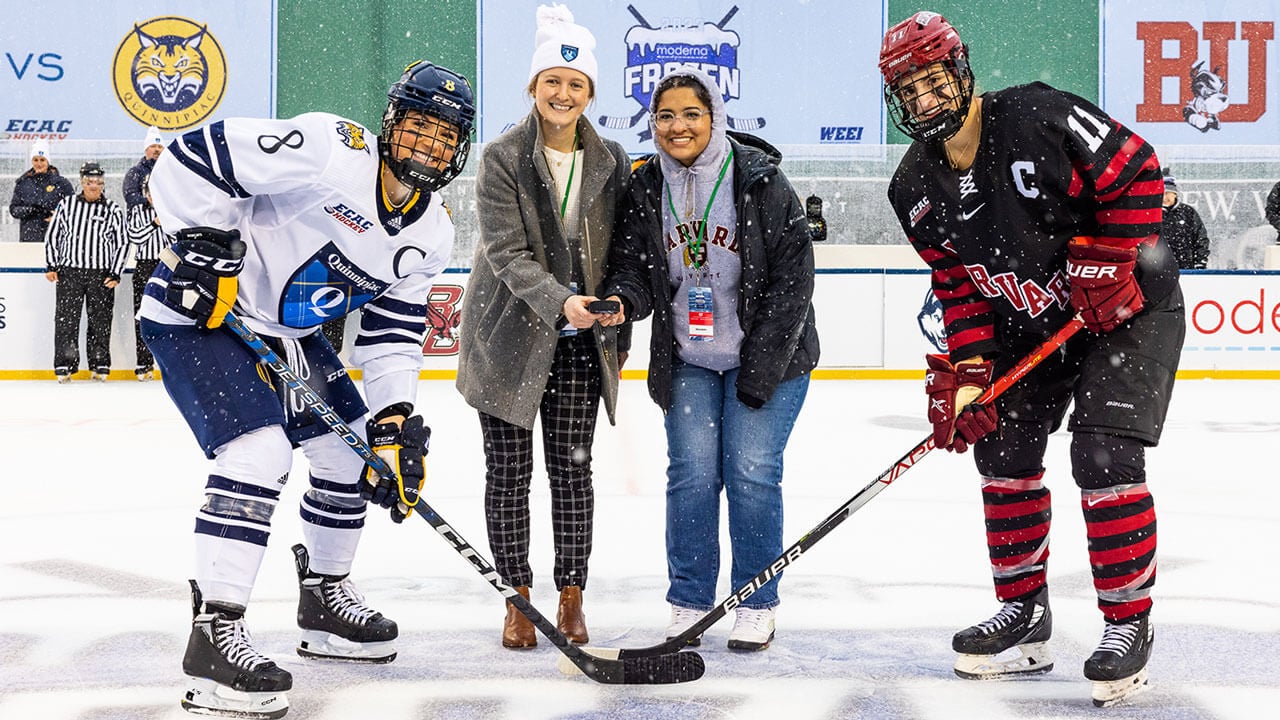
x=108, y=69
x=762, y=56
x=1187, y=72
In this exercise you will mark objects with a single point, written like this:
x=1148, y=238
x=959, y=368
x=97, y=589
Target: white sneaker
x=682, y=619
x=752, y=629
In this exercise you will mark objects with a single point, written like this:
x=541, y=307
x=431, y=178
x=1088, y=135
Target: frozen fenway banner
x=1184, y=72
x=87, y=69
x=786, y=71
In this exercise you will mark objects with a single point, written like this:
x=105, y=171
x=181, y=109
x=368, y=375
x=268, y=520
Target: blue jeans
x=715, y=442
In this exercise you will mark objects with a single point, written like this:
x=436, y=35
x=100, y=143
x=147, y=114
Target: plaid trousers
x=570, y=402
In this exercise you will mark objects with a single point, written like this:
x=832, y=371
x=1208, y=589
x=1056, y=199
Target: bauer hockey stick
x=793, y=553
x=654, y=668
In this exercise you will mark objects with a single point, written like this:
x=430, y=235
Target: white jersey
x=322, y=240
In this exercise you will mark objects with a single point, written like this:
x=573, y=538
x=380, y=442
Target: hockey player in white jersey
x=292, y=223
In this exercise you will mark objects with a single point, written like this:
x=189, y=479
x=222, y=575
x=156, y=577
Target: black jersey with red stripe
x=1049, y=166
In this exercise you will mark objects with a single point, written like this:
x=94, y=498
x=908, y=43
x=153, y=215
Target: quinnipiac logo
x=169, y=72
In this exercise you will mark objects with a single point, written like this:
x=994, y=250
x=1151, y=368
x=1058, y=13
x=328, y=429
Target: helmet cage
x=438, y=93
x=956, y=90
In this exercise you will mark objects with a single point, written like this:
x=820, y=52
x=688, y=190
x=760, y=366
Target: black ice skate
x=335, y=622
x=228, y=677
x=1118, y=668
x=1010, y=644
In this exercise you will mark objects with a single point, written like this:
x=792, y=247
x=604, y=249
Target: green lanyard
x=695, y=245
x=572, y=166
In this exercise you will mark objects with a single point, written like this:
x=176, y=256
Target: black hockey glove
x=404, y=448
x=205, y=262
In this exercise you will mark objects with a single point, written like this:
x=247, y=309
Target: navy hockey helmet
x=913, y=45
x=441, y=94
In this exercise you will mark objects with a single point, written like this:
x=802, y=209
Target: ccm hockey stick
x=793, y=553
x=650, y=669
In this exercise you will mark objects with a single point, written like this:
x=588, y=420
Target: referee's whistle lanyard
x=697, y=254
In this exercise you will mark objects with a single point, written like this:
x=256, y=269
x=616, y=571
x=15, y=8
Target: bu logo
x=568, y=52
x=443, y=315
x=1208, y=106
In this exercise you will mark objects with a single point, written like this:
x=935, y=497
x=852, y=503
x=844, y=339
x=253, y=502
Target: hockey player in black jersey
x=1031, y=205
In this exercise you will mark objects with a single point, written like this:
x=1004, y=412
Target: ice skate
x=752, y=629
x=63, y=377
x=336, y=624
x=1118, y=668
x=227, y=677
x=100, y=374
x=1010, y=644
x=143, y=373
x=682, y=619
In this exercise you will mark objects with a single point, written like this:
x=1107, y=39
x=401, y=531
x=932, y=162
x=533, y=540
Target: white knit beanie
x=152, y=137
x=559, y=42
x=40, y=148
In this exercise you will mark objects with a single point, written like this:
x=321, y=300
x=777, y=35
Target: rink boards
x=873, y=321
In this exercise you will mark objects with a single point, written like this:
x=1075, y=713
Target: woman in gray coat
x=529, y=346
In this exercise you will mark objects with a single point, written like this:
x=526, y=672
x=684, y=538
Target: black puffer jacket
x=34, y=198
x=1184, y=232
x=774, y=298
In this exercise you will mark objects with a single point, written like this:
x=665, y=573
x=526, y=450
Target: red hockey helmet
x=913, y=45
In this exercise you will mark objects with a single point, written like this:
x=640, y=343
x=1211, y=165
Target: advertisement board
x=791, y=71
x=1188, y=72
x=110, y=70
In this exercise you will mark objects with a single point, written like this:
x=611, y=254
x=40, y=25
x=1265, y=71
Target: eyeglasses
x=666, y=118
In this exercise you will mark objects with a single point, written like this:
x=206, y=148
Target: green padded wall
x=341, y=57
x=1019, y=41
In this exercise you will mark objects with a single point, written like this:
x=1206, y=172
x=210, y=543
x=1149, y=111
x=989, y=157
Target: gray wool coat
x=522, y=268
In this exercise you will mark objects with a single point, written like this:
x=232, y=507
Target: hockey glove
x=1103, y=288
x=404, y=448
x=205, y=262
x=957, y=422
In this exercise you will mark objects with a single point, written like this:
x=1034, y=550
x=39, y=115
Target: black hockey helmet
x=911, y=46
x=442, y=94
x=91, y=169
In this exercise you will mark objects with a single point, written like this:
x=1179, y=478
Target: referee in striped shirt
x=85, y=250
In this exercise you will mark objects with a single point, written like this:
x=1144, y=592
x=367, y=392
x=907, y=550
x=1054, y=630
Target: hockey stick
x=651, y=669
x=623, y=123
x=793, y=553
x=746, y=123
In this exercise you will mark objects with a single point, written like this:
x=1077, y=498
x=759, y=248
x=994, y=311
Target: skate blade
x=1107, y=693
x=206, y=697
x=566, y=666
x=1019, y=661
x=319, y=645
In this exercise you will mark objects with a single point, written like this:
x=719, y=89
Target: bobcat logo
x=352, y=136
x=443, y=315
x=169, y=72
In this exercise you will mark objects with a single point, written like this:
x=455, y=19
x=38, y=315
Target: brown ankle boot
x=569, y=617
x=517, y=631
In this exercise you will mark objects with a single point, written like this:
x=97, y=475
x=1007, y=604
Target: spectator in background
x=143, y=229
x=1183, y=229
x=1273, y=209
x=152, y=146
x=36, y=193
x=84, y=252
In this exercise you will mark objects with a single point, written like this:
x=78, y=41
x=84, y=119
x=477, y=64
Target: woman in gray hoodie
x=546, y=192
x=713, y=243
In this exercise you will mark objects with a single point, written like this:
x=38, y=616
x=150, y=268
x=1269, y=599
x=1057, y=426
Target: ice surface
x=100, y=483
